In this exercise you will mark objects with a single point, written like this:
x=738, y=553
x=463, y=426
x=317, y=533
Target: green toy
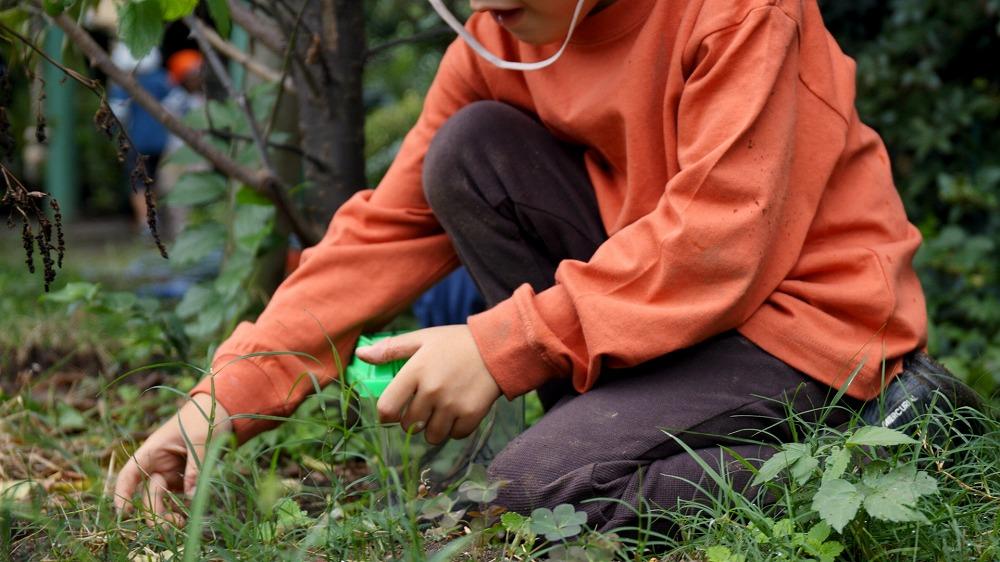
x=370, y=381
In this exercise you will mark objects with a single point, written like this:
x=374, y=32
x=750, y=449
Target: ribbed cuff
x=508, y=340
x=243, y=386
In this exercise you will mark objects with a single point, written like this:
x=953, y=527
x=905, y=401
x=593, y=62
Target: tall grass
x=331, y=483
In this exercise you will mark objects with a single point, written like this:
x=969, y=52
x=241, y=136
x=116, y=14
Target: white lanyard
x=478, y=47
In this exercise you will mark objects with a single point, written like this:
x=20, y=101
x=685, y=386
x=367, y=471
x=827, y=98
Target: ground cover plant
x=320, y=487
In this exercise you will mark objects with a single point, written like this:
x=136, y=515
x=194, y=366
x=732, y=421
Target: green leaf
x=289, y=513
x=803, y=469
x=184, y=156
x=219, y=10
x=829, y=551
x=195, y=189
x=889, y=507
x=73, y=293
x=69, y=418
x=837, y=502
x=195, y=300
x=140, y=26
x=514, y=522
x=479, y=492
x=54, y=7
x=818, y=534
x=895, y=493
x=876, y=436
x=437, y=506
x=836, y=463
x=177, y=9
x=561, y=523
x=781, y=460
x=208, y=322
x=719, y=553
x=251, y=225
x=235, y=274
x=783, y=528
x=248, y=196
x=196, y=243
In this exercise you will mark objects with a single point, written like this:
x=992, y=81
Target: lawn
x=87, y=372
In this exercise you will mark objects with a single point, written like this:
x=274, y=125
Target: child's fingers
x=397, y=394
x=125, y=486
x=152, y=500
x=392, y=349
x=417, y=413
x=464, y=427
x=439, y=426
x=191, y=469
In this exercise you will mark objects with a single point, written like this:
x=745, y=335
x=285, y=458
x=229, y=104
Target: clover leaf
x=561, y=523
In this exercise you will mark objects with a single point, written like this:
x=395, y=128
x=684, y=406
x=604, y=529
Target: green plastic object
x=368, y=380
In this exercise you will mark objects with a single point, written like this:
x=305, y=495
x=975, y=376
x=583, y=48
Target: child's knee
x=467, y=142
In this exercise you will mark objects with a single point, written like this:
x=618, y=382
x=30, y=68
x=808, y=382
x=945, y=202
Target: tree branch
x=296, y=150
x=264, y=31
x=261, y=181
x=278, y=189
x=232, y=52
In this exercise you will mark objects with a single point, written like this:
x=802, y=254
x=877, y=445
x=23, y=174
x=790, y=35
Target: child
x=682, y=219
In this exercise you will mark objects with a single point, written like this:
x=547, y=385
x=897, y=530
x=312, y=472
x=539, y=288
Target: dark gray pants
x=516, y=202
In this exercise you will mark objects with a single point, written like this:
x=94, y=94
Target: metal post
x=61, y=179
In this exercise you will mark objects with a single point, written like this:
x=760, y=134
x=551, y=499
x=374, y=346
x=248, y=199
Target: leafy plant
x=883, y=491
x=558, y=524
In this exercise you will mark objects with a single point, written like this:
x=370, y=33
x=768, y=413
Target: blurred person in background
x=149, y=136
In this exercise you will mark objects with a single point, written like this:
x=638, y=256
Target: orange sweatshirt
x=736, y=182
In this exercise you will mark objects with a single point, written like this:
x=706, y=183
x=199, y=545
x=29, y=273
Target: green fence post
x=61, y=166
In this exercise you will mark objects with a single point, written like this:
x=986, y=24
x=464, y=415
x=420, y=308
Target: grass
x=319, y=487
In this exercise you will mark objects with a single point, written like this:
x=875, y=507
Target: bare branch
x=234, y=53
x=261, y=181
x=257, y=27
x=277, y=187
x=291, y=148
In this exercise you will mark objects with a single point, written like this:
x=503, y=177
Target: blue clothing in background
x=449, y=302
x=148, y=135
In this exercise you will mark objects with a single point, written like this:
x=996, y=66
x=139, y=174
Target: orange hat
x=184, y=63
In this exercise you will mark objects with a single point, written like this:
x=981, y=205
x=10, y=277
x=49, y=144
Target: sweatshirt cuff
x=249, y=386
x=519, y=349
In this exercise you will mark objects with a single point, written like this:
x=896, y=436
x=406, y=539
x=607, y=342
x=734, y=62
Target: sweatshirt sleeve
x=701, y=262
x=383, y=248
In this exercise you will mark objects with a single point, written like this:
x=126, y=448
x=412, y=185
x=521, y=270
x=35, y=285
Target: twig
x=232, y=52
x=277, y=187
x=428, y=35
x=83, y=80
x=264, y=31
x=296, y=150
x=286, y=66
x=261, y=181
x=198, y=32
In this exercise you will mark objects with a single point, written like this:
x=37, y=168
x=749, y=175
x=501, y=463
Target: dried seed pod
x=104, y=120
x=40, y=133
x=60, y=240
x=28, y=240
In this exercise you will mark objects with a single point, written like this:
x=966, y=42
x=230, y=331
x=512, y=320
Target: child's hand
x=165, y=460
x=444, y=386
